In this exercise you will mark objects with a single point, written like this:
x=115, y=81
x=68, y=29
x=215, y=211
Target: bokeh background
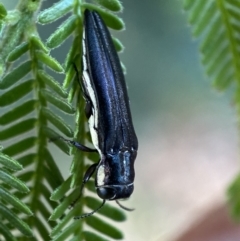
x=188, y=143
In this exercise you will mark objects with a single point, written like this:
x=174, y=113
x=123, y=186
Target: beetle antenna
x=125, y=208
x=91, y=213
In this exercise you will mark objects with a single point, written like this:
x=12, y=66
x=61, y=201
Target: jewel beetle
x=108, y=112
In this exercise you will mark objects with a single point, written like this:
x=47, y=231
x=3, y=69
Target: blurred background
x=188, y=143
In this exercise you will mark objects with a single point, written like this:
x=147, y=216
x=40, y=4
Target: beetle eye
x=106, y=192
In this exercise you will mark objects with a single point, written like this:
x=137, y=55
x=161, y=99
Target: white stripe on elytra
x=93, y=120
x=83, y=42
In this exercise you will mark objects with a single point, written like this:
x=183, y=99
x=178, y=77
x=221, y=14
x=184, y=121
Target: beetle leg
x=86, y=177
x=76, y=144
x=89, y=172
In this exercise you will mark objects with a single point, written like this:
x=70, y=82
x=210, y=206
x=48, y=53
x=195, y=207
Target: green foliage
x=10, y=204
x=218, y=23
x=234, y=197
x=111, y=20
x=62, y=33
x=33, y=194
x=113, y=5
x=216, y=20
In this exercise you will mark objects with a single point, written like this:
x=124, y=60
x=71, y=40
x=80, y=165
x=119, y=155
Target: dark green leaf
x=10, y=163
x=1, y=26
x=42, y=229
x=74, y=90
x=73, y=55
x=90, y=185
x=64, y=205
x=15, y=221
x=16, y=93
x=17, y=129
x=111, y=20
x=225, y=69
x=15, y=75
x=213, y=33
x=18, y=112
x=12, y=181
x=62, y=33
x=234, y=3
x=53, y=167
x=26, y=176
x=27, y=159
x=49, y=61
x=20, y=146
x=108, y=211
x=77, y=168
x=55, y=12
x=206, y=17
x=54, y=85
x=3, y=11
x=53, y=137
x=14, y=201
x=104, y=227
x=223, y=81
x=52, y=182
x=118, y=45
x=61, y=190
x=38, y=44
x=69, y=77
x=58, y=102
x=210, y=53
x=89, y=236
x=45, y=212
x=112, y=5
x=75, y=238
x=4, y=231
x=45, y=192
x=234, y=13
x=43, y=209
x=62, y=236
x=196, y=12
x=58, y=122
x=234, y=188
x=215, y=63
x=18, y=52
x=234, y=197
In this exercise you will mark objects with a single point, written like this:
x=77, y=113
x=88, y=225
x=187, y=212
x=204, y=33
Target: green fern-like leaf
x=9, y=202
x=218, y=23
x=30, y=101
x=216, y=20
x=26, y=101
x=234, y=197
